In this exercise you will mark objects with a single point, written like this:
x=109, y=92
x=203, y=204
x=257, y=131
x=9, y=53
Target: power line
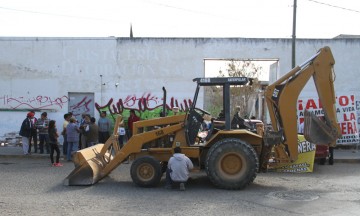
x=52, y=14
x=334, y=6
x=187, y=10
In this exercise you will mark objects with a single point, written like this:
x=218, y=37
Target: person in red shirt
x=132, y=118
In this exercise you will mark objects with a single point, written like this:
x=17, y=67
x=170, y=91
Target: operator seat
x=238, y=123
x=192, y=127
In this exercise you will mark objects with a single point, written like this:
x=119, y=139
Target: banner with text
x=346, y=111
x=357, y=106
x=305, y=161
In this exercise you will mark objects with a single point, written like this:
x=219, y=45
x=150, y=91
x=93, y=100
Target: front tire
x=231, y=164
x=146, y=171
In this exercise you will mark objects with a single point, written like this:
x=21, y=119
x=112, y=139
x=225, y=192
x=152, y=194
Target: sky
x=179, y=18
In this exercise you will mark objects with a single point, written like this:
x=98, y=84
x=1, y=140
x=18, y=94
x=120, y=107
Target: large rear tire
x=231, y=164
x=146, y=171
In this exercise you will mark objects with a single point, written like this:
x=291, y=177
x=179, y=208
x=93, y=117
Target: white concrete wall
x=38, y=73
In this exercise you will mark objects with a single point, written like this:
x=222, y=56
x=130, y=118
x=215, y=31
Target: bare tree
x=214, y=100
x=240, y=95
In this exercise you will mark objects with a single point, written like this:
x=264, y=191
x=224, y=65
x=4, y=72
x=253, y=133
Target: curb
x=352, y=160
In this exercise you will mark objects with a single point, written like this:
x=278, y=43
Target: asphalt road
x=30, y=186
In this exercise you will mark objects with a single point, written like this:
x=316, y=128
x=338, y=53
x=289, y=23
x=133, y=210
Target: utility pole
x=101, y=90
x=294, y=35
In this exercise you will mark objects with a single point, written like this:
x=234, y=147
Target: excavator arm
x=282, y=96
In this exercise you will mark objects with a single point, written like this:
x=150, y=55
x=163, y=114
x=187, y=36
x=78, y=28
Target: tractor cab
x=199, y=124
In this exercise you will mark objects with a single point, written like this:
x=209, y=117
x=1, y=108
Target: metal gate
x=80, y=103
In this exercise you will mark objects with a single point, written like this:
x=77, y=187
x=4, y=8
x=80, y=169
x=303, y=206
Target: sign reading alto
x=346, y=115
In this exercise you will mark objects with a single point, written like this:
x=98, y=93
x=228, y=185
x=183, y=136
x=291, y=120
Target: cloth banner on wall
x=357, y=105
x=346, y=115
x=305, y=161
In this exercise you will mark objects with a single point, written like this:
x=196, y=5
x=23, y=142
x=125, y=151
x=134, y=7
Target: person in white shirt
x=301, y=128
x=178, y=169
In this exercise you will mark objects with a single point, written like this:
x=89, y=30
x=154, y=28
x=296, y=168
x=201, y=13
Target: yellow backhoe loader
x=231, y=157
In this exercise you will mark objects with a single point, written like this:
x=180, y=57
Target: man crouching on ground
x=178, y=169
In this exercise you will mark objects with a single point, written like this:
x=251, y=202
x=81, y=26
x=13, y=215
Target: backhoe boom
x=282, y=96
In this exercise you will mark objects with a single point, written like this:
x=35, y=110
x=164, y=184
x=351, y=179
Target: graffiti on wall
x=80, y=103
x=35, y=102
x=146, y=107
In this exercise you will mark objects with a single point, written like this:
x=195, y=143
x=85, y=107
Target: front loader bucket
x=88, y=166
x=317, y=131
x=83, y=175
x=95, y=162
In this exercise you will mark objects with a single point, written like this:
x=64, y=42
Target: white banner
x=347, y=115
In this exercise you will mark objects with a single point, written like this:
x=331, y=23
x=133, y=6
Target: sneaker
x=58, y=165
x=168, y=187
x=182, y=186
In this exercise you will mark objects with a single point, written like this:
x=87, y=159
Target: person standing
x=34, y=135
x=25, y=132
x=132, y=118
x=92, y=135
x=84, y=127
x=82, y=122
x=63, y=133
x=121, y=133
x=42, y=125
x=175, y=110
x=178, y=169
x=53, y=141
x=104, y=127
x=72, y=135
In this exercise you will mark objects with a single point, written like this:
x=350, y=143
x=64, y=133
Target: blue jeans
x=169, y=181
x=121, y=140
x=72, y=146
x=44, y=139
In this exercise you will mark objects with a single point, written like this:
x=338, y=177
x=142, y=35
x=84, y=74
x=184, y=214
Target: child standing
x=53, y=136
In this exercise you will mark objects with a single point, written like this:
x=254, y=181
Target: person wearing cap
x=72, y=135
x=42, y=125
x=25, y=132
x=34, y=135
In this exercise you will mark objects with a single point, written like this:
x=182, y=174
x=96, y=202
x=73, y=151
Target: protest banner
x=346, y=115
x=305, y=161
x=357, y=102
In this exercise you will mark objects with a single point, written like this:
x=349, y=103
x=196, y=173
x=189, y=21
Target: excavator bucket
x=317, y=131
x=95, y=162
